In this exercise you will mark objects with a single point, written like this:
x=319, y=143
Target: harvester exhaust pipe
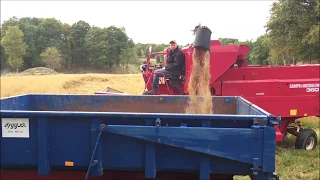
x=203, y=37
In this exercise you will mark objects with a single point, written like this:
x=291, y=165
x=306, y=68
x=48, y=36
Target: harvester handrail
x=153, y=53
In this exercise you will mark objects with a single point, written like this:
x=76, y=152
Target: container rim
x=26, y=113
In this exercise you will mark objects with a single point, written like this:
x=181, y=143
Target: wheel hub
x=310, y=143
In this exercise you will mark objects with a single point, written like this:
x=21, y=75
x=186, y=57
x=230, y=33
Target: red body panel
x=287, y=91
x=227, y=53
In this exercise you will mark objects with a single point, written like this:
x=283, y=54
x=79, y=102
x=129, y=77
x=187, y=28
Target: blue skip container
x=93, y=136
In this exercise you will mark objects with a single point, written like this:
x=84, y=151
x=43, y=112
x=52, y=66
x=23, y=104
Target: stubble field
x=70, y=83
x=291, y=164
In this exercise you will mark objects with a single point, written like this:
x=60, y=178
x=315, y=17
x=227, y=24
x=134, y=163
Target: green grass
x=292, y=164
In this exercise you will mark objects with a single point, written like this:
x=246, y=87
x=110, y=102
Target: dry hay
x=70, y=84
x=199, y=84
x=75, y=83
x=38, y=71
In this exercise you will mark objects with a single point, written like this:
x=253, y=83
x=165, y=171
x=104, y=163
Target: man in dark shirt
x=174, y=66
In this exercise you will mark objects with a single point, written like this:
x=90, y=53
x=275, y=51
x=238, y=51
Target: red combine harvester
x=290, y=92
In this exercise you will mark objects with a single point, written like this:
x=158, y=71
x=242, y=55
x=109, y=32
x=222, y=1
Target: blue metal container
x=96, y=133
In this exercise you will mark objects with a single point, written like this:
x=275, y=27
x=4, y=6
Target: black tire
x=147, y=93
x=305, y=137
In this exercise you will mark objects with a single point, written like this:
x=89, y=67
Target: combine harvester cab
x=133, y=137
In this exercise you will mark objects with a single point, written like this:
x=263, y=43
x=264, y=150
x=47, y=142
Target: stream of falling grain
x=199, y=84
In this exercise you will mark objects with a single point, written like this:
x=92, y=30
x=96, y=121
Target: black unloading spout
x=202, y=38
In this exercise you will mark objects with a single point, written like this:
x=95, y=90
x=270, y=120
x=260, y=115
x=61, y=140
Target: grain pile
x=199, y=84
x=38, y=71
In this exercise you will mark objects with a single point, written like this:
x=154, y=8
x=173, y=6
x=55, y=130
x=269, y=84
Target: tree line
x=293, y=32
x=292, y=35
x=32, y=42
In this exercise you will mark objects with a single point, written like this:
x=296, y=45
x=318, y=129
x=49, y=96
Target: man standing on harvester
x=174, y=65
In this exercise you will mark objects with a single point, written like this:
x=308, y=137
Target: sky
x=154, y=21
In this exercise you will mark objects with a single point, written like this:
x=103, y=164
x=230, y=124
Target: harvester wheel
x=306, y=139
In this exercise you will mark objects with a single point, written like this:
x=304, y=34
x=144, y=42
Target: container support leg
x=94, y=162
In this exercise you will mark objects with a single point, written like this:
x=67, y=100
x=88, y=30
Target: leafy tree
x=14, y=47
x=52, y=57
x=312, y=38
x=30, y=31
x=289, y=24
x=119, y=42
x=226, y=41
x=3, y=57
x=78, y=34
x=50, y=32
x=138, y=52
x=142, y=53
x=259, y=53
x=13, y=21
x=128, y=57
x=30, y=21
x=66, y=44
x=96, y=43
